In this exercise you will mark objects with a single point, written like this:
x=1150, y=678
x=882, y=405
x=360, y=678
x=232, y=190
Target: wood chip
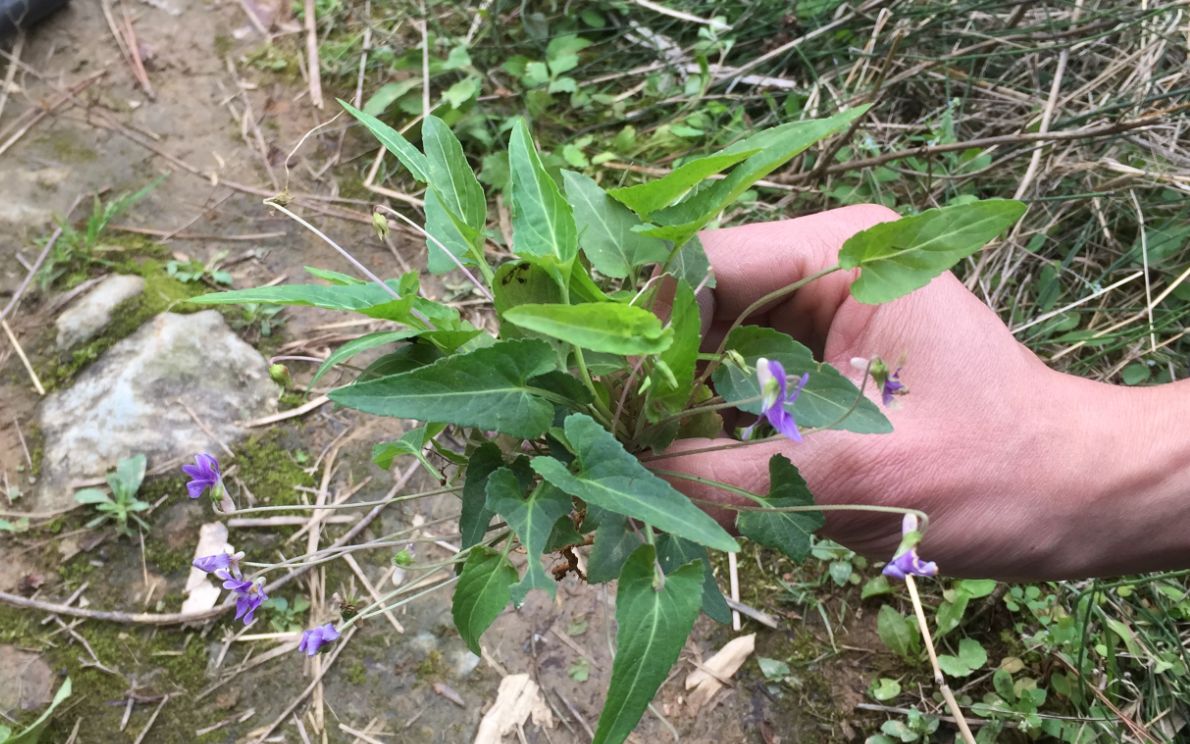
x=710, y=677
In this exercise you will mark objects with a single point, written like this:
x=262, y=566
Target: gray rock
x=130, y=401
x=92, y=312
x=26, y=682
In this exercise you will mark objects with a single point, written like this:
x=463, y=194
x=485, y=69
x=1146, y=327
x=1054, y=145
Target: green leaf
x=885, y=689
x=605, y=229
x=971, y=656
x=475, y=516
x=950, y=614
x=522, y=283
x=600, y=326
x=542, y=221
x=92, y=496
x=653, y=623
x=614, y=542
x=451, y=236
x=130, y=473
x=387, y=94
x=411, y=442
x=486, y=388
x=788, y=532
x=777, y=146
x=32, y=733
x=690, y=264
x=827, y=397
x=899, y=633
x=898, y=257
x=362, y=344
x=614, y=480
x=648, y=197
x=674, y=552
x=672, y=393
x=366, y=299
x=532, y=519
x=482, y=593
x=392, y=140
x=456, y=192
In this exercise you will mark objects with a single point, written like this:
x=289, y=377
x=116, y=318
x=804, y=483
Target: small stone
x=26, y=681
x=92, y=312
x=130, y=401
x=463, y=663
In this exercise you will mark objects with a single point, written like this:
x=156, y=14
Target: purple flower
x=315, y=638
x=906, y=562
x=892, y=387
x=771, y=376
x=226, y=561
x=204, y=474
x=250, y=594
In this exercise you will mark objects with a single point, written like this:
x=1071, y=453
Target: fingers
x=753, y=260
x=829, y=461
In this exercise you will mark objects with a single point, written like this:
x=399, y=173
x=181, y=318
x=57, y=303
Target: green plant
x=286, y=616
x=31, y=734
x=77, y=250
x=584, y=378
x=122, y=505
x=194, y=270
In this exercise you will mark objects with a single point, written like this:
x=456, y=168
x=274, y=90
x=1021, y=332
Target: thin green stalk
x=773, y=296
x=922, y=517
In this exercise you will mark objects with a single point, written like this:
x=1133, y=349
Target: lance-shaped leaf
x=360, y=345
x=392, y=140
x=486, y=388
x=542, y=221
x=647, y=197
x=790, y=531
x=482, y=593
x=674, y=552
x=777, y=146
x=828, y=400
x=475, y=516
x=898, y=257
x=532, y=518
x=606, y=229
x=653, y=620
x=614, y=480
x=601, y=326
x=669, y=392
x=367, y=299
x=456, y=208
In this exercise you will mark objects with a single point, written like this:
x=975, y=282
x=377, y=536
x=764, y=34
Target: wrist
x=1123, y=491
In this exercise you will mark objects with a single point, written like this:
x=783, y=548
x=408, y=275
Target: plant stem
x=483, y=264
x=764, y=506
x=947, y=695
x=773, y=296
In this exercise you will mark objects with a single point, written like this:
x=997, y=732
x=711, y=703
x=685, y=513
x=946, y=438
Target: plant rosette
x=583, y=376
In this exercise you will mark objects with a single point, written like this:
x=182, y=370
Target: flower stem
x=947, y=695
x=773, y=296
x=764, y=504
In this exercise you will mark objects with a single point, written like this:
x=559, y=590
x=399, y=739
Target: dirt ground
x=221, y=128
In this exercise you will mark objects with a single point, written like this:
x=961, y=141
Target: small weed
x=122, y=505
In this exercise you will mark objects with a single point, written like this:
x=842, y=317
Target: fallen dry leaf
x=517, y=700
x=201, y=594
x=709, y=678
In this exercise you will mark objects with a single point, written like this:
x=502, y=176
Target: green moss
x=162, y=292
x=356, y=674
x=165, y=559
x=266, y=466
x=431, y=668
x=35, y=441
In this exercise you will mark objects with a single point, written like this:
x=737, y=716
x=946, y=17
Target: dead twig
x=313, y=65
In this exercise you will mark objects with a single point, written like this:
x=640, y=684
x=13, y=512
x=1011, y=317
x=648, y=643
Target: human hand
x=995, y=447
